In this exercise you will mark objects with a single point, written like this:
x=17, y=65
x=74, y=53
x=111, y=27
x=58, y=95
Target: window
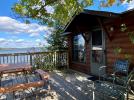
x=97, y=38
x=97, y=53
x=79, y=49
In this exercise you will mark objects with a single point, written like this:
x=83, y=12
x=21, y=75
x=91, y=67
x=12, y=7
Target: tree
x=57, y=41
x=61, y=13
x=54, y=13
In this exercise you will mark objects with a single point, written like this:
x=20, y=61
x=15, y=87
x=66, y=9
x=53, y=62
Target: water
x=20, y=50
x=19, y=58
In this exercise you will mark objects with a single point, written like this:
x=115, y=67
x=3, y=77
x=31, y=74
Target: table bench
x=22, y=86
x=43, y=75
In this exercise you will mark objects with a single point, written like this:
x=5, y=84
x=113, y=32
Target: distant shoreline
x=7, y=48
x=18, y=48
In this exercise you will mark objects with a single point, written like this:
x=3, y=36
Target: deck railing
x=37, y=59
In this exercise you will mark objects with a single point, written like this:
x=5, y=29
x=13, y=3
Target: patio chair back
x=121, y=66
x=108, y=90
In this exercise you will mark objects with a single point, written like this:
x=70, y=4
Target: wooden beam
x=104, y=28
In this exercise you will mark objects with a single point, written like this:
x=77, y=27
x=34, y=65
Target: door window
x=97, y=53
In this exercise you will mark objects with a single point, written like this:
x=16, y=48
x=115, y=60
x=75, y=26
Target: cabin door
x=97, y=51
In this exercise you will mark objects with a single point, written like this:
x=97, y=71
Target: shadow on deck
x=76, y=86
x=72, y=86
x=69, y=85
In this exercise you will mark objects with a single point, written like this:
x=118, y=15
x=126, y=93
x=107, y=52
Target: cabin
x=99, y=38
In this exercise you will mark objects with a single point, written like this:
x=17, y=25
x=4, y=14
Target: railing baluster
x=7, y=59
x=14, y=58
x=17, y=59
x=10, y=58
x=41, y=59
x=3, y=60
x=30, y=59
x=27, y=58
x=0, y=59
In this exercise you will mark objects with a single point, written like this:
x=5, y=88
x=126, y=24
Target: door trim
x=103, y=47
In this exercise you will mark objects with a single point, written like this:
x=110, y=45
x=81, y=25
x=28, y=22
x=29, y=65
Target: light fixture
x=111, y=29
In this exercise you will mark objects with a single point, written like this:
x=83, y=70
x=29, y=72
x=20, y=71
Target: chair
x=112, y=91
x=120, y=72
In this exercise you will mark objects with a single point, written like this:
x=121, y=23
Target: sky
x=16, y=34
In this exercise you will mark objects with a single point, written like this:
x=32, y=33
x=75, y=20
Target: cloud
x=9, y=25
x=2, y=40
x=19, y=40
x=38, y=40
x=129, y=5
x=21, y=43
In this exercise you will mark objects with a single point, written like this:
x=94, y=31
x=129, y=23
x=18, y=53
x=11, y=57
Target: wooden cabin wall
x=121, y=40
x=85, y=68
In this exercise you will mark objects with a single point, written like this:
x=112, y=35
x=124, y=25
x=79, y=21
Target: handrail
x=37, y=59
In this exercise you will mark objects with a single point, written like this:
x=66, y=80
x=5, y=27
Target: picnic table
x=13, y=68
x=21, y=85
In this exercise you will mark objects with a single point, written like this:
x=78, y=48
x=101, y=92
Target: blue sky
x=115, y=8
x=16, y=34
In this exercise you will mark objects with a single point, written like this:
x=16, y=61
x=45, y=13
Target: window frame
x=76, y=59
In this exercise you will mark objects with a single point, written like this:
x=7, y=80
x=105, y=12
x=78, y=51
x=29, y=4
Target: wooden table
x=24, y=68
x=13, y=68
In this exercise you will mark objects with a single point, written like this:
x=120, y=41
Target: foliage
x=117, y=50
x=37, y=9
x=54, y=13
x=129, y=32
x=56, y=41
x=107, y=3
x=60, y=14
x=44, y=61
x=131, y=36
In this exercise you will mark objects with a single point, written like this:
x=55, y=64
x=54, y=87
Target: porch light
x=111, y=28
x=86, y=36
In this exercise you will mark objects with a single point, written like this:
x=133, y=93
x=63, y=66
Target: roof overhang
x=88, y=19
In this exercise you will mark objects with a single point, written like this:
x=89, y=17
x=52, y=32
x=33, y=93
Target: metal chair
x=120, y=72
x=108, y=90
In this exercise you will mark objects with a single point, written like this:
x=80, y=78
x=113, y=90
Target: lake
x=18, y=58
x=20, y=50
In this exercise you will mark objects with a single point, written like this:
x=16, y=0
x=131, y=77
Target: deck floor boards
x=74, y=86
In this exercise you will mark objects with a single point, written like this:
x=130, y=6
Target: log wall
x=120, y=40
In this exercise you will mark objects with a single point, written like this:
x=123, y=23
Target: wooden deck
x=71, y=88
x=76, y=86
x=68, y=86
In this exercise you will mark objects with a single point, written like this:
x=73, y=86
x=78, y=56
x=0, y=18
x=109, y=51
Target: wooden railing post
x=31, y=63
